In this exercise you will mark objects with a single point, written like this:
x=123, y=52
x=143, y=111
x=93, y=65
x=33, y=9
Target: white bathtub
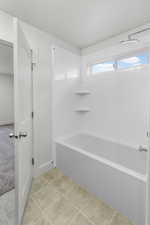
x=116, y=173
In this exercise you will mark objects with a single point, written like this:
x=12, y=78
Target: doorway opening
x=7, y=150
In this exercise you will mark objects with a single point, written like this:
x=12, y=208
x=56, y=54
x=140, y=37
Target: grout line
x=74, y=217
x=60, y=193
x=37, y=202
x=40, y=188
x=65, y=196
x=48, y=182
x=45, y=219
x=42, y=212
x=85, y=215
x=81, y=212
x=110, y=222
x=56, y=190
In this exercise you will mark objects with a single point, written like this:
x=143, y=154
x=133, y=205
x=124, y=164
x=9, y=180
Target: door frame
x=11, y=44
x=147, y=198
x=52, y=63
x=32, y=144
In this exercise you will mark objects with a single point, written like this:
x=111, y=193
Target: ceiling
x=81, y=22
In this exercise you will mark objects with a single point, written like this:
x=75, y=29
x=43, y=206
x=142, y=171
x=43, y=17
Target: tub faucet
x=142, y=149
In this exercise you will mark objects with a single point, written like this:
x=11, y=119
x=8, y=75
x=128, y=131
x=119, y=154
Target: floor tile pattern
x=57, y=200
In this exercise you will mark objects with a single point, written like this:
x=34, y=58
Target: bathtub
x=114, y=172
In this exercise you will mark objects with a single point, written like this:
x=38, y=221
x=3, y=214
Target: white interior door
x=147, y=205
x=23, y=119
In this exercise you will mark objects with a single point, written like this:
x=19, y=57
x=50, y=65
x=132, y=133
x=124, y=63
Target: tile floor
x=57, y=200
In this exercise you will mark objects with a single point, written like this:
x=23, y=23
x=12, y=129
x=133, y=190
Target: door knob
x=12, y=135
x=23, y=134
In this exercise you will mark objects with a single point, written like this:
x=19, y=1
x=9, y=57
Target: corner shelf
x=82, y=92
x=83, y=110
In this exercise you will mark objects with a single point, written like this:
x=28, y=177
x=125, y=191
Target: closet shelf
x=82, y=92
x=82, y=110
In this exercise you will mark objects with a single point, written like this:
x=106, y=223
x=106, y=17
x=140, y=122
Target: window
x=124, y=63
x=102, y=67
x=133, y=61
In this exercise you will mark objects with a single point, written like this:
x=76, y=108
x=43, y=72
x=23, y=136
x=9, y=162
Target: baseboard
x=43, y=168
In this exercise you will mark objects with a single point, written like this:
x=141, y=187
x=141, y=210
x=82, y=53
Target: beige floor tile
x=79, y=197
x=56, y=199
x=60, y=212
x=38, y=183
x=53, y=174
x=98, y=212
x=63, y=184
x=45, y=196
x=32, y=213
x=41, y=221
x=121, y=220
x=80, y=220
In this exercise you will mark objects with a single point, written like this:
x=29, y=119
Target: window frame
x=116, y=59
x=137, y=54
x=105, y=71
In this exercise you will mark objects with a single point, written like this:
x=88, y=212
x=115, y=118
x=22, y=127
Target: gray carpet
x=6, y=160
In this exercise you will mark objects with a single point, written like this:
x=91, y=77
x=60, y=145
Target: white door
x=147, y=217
x=23, y=119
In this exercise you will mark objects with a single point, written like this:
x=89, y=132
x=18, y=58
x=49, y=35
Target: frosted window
x=102, y=67
x=133, y=61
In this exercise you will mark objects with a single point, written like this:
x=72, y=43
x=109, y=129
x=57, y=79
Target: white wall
x=66, y=82
x=6, y=85
x=6, y=28
x=115, y=41
x=41, y=43
x=119, y=106
x=119, y=101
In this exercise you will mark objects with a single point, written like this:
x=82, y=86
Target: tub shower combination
x=106, y=169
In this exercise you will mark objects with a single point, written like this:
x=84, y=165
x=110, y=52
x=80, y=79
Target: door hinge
x=32, y=66
x=148, y=134
x=32, y=115
x=34, y=58
x=32, y=161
